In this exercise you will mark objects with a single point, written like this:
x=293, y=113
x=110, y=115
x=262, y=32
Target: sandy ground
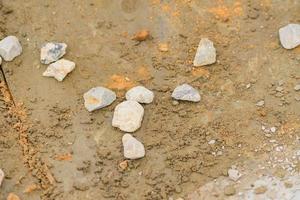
x=52, y=148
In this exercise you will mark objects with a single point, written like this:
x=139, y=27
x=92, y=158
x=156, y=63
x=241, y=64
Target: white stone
x=1, y=176
x=140, y=94
x=206, y=53
x=98, y=97
x=128, y=116
x=59, y=69
x=133, y=149
x=260, y=103
x=234, y=174
x=289, y=36
x=52, y=51
x=297, y=87
x=273, y=129
x=0, y=60
x=10, y=48
x=186, y=92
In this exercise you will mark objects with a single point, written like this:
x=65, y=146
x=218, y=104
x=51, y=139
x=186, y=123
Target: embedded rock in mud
x=133, y=149
x=10, y=48
x=128, y=116
x=206, y=53
x=289, y=36
x=1, y=176
x=59, y=69
x=98, y=97
x=52, y=51
x=140, y=94
x=186, y=92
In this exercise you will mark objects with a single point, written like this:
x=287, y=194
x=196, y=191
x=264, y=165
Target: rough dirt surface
x=51, y=147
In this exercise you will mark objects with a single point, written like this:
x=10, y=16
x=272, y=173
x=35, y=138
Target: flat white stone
x=186, y=92
x=59, y=69
x=140, y=94
x=297, y=87
x=52, y=51
x=128, y=116
x=10, y=48
x=1, y=176
x=234, y=174
x=206, y=53
x=98, y=97
x=133, y=149
x=289, y=36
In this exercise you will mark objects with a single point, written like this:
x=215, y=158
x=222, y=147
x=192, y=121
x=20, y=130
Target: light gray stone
x=186, y=92
x=289, y=36
x=260, y=103
x=234, y=174
x=10, y=48
x=1, y=176
x=98, y=97
x=0, y=60
x=133, y=149
x=59, y=69
x=206, y=53
x=52, y=51
x=297, y=87
x=128, y=116
x=140, y=94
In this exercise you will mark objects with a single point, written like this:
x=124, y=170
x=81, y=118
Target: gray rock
x=297, y=87
x=140, y=94
x=260, y=103
x=186, y=92
x=1, y=176
x=52, y=51
x=234, y=174
x=128, y=116
x=10, y=48
x=133, y=149
x=59, y=69
x=206, y=53
x=98, y=97
x=289, y=36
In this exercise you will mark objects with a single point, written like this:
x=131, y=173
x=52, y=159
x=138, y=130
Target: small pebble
x=297, y=87
x=12, y=196
x=133, y=149
x=289, y=36
x=260, y=103
x=273, y=129
x=10, y=48
x=260, y=190
x=51, y=52
x=98, y=97
x=186, y=92
x=59, y=69
x=1, y=176
x=234, y=174
x=128, y=116
x=206, y=53
x=229, y=190
x=140, y=94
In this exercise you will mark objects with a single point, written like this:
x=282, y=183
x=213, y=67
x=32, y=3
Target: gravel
x=133, y=149
x=206, y=53
x=10, y=48
x=59, y=69
x=52, y=51
x=98, y=97
x=186, y=92
x=289, y=36
x=140, y=94
x=128, y=116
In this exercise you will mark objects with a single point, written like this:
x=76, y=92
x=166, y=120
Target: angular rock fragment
x=1, y=176
x=52, y=51
x=10, y=48
x=133, y=149
x=98, y=97
x=140, y=94
x=186, y=92
x=59, y=69
x=206, y=53
x=289, y=36
x=128, y=116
